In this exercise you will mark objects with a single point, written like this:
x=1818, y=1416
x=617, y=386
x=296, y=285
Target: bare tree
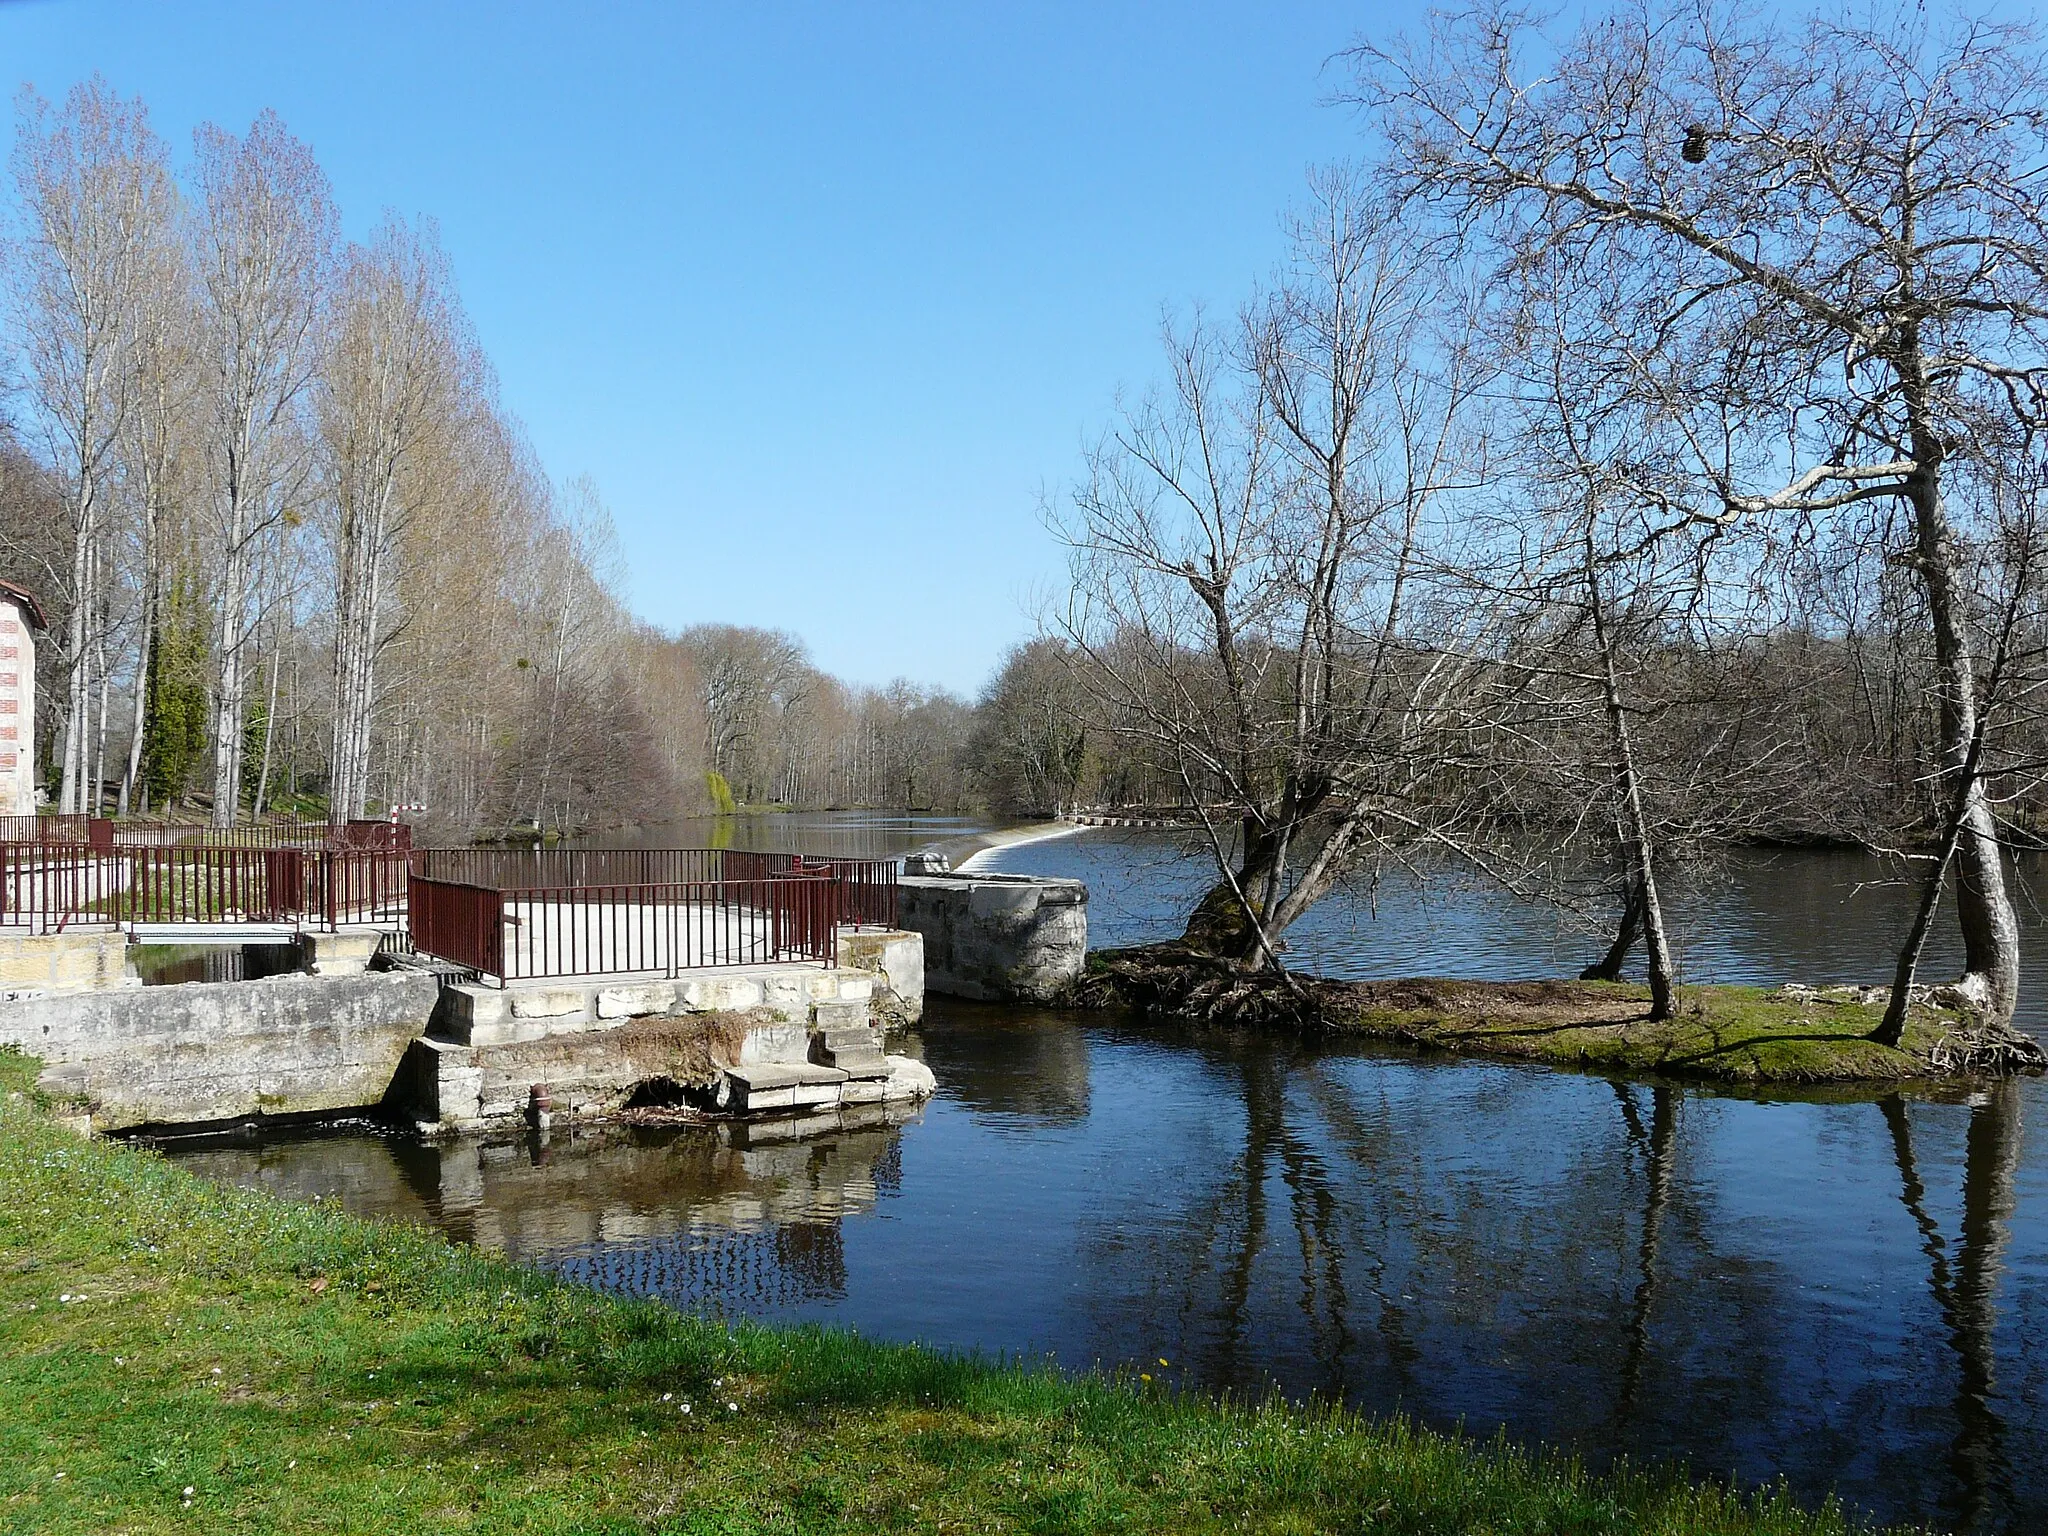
x=158, y=451
x=1847, y=222
x=1249, y=569
x=265, y=239
x=97, y=194
x=385, y=393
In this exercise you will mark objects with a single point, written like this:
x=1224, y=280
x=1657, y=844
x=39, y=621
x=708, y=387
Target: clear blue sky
x=824, y=297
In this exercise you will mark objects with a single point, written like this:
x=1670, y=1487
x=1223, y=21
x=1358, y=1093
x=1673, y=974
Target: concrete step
x=840, y=1014
x=849, y=1039
x=768, y=1086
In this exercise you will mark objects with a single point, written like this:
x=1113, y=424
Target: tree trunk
x=1991, y=938
x=144, y=646
x=1636, y=821
x=1608, y=966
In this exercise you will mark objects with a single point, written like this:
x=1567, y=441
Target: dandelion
x=686, y=1407
x=732, y=1407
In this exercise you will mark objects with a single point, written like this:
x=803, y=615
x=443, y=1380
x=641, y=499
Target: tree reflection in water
x=1844, y=1292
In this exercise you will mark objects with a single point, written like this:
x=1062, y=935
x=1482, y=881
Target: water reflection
x=732, y=1218
x=1847, y=1291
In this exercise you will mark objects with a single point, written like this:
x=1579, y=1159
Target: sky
x=828, y=300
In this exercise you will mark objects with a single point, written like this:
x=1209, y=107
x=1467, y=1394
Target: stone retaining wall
x=997, y=938
x=224, y=1050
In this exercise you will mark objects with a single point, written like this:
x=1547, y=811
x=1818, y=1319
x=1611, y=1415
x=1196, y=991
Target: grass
x=177, y=1355
x=1724, y=1033
x=1747, y=1035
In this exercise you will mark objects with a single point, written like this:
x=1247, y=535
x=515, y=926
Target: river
x=1845, y=1291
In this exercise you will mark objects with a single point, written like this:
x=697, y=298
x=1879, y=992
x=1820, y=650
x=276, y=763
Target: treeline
x=297, y=554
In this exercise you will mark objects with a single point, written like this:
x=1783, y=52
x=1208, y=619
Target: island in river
x=1740, y=1034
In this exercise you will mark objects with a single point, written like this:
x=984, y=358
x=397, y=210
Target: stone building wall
x=17, y=708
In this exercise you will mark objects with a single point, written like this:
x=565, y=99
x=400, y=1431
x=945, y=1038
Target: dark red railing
x=867, y=886
x=525, y=932
x=462, y=924
x=270, y=832
x=867, y=896
x=47, y=887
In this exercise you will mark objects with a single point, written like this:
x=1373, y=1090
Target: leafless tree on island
x=1850, y=217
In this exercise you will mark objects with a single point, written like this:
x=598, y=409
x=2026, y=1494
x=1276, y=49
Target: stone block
x=840, y=1015
x=784, y=1042
x=786, y=992
x=908, y=1079
x=77, y=960
x=717, y=992
x=633, y=1002
x=347, y=953
x=549, y=1002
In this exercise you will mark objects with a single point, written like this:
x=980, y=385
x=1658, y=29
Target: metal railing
x=868, y=894
x=525, y=932
x=270, y=832
x=47, y=887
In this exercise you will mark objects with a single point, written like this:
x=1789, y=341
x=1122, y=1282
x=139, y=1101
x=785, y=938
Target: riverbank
x=1733, y=1034
x=180, y=1354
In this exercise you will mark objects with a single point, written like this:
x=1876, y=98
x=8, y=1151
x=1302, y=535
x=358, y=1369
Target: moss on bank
x=184, y=1356
x=1751, y=1035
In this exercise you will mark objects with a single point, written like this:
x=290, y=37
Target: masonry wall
x=225, y=1050
x=17, y=711
x=997, y=938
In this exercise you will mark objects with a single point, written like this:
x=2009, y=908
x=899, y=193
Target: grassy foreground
x=181, y=1356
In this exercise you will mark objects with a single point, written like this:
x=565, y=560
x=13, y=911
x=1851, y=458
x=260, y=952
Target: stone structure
x=746, y=1040
x=20, y=617
x=225, y=1050
x=997, y=938
x=36, y=965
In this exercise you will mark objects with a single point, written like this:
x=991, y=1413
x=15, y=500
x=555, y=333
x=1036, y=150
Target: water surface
x=1847, y=1291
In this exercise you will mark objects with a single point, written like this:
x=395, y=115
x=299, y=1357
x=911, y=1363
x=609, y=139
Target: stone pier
x=997, y=938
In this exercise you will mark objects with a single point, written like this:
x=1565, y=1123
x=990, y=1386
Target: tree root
x=1189, y=983
x=1998, y=1051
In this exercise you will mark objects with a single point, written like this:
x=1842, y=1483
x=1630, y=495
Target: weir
x=490, y=988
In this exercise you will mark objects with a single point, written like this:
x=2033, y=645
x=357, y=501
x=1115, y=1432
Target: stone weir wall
x=224, y=1050
x=997, y=938
x=748, y=1040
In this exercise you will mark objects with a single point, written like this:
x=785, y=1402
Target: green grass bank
x=181, y=1356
